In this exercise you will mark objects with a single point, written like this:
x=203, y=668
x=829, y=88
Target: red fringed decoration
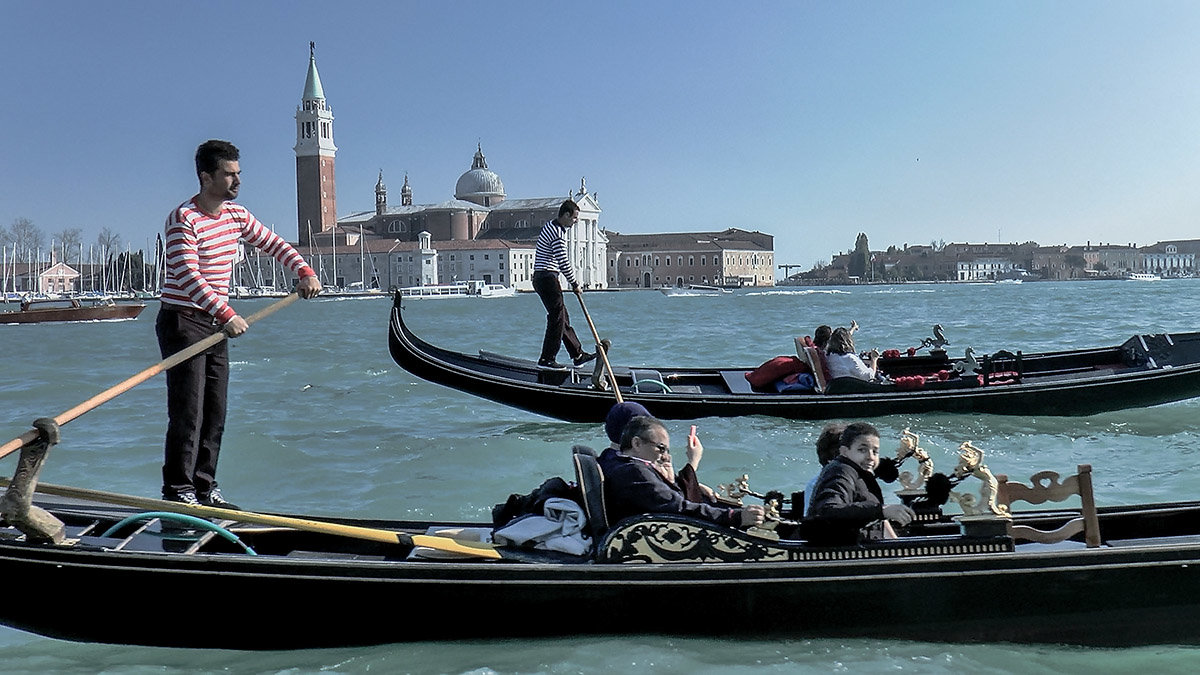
x=943, y=375
x=912, y=351
x=909, y=382
x=891, y=354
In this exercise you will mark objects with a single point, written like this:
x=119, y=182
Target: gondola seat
x=1046, y=486
x=590, y=478
x=815, y=359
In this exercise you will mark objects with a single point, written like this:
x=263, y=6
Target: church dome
x=480, y=185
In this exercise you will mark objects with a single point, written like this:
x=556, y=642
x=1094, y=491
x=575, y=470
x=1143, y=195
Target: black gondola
x=304, y=589
x=1146, y=370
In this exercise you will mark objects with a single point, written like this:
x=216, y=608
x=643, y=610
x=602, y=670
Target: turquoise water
x=322, y=422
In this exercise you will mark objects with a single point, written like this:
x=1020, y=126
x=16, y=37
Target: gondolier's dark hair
x=568, y=207
x=211, y=153
x=637, y=427
x=856, y=429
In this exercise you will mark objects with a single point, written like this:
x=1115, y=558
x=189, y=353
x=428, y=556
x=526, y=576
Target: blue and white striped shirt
x=551, y=253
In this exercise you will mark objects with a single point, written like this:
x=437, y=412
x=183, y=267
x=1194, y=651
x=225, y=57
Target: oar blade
x=471, y=548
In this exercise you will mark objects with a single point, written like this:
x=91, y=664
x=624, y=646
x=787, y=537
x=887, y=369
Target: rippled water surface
x=323, y=422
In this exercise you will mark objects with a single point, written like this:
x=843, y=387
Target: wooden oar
x=118, y=389
x=612, y=378
x=478, y=549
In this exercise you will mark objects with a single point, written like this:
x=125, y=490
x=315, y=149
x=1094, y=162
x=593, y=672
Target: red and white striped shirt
x=201, y=249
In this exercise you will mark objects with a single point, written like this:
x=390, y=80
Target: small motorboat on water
x=71, y=309
x=1142, y=371
x=1109, y=576
x=691, y=290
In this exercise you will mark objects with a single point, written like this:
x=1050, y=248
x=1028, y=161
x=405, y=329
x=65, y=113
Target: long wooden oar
x=478, y=549
x=118, y=389
x=612, y=378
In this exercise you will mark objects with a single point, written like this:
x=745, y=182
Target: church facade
x=479, y=234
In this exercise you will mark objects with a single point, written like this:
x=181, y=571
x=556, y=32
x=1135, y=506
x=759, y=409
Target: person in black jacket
x=633, y=485
x=847, y=497
x=686, y=478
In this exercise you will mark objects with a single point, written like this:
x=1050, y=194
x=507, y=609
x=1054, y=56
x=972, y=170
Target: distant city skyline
x=912, y=122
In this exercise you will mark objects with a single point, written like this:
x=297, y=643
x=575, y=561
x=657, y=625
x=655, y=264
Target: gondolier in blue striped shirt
x=548, y=261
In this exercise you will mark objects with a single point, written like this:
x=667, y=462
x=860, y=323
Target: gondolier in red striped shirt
x=202, y=237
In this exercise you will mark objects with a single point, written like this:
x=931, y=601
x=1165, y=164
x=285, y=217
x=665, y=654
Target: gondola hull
x=92, y=312
x=305, y=591
x=1145, y=371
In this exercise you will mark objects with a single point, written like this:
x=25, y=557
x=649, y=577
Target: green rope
x=657, y=383
x=182, y=518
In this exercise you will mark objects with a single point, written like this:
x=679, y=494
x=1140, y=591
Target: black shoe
x=551, y=364
x=584, y=358
x=215, y=499
x=188, y=498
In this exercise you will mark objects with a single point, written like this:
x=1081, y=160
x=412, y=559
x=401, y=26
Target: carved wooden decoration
x=1049, y=486
x=677, y=539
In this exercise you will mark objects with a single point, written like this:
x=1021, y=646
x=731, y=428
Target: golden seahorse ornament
x=910, y=447
x=970, y=463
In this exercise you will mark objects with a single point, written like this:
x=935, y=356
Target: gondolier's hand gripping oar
x=477, y=549
x=118, y=389
x=612, y=378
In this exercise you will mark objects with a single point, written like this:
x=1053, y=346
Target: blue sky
x=1059, y=122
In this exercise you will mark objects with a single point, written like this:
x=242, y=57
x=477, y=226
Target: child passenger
x=847, y=500
x=827, y=448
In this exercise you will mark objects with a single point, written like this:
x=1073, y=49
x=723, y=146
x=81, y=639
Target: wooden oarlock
x=16, y=505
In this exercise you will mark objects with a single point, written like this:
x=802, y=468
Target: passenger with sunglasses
x=633, y=484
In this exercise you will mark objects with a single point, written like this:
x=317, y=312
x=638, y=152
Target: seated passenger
x=842, y=361
x=847, y=500
x=820, y=337
x=687, y=479
x=827, y=448
x=633, y=484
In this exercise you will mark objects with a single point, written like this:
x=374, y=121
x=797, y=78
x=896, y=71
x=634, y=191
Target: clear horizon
x=1059, y=122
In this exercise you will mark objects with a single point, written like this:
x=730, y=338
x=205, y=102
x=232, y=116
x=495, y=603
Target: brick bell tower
x=316, y=194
